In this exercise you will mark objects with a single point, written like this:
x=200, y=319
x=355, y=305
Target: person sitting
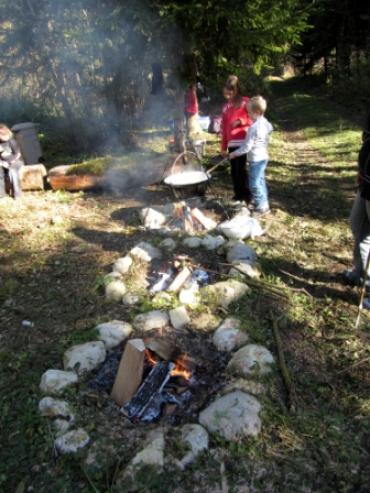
x=11, y=162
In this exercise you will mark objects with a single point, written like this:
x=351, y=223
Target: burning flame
x=180, y=369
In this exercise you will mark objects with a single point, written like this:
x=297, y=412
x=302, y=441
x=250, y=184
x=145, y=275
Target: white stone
x=84, y=357
x=155, y=319
x=114, y=332
x=192, y=242
x=238, y=227
x=115, y=290
x=152, y=218
x=55, y=381
x=196, y=437
x=112, y=276
x=52, y=408
x=72, y=441
x=179, y=317
x=61, y=426
x=228, y=336
x=233, y=416
x=168, y=244
x=226, y=292
x=122, y=265
x=189, y=295
x=153, y=453
x=239, y=252
x=244, y=268
x=213, y=242
x=146, y=252
x=130, y=299
x=250, y=360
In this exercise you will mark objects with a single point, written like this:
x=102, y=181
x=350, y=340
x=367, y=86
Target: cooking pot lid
x=187, y=178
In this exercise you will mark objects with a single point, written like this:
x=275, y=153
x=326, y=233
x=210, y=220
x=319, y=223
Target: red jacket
x=234, y=137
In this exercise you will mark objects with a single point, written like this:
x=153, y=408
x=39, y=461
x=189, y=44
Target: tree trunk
x=179, y=121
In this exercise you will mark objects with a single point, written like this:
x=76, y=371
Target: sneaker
x=261, y=212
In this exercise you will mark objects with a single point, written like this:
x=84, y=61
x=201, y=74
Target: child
x=10, y=162
x=255, y=147
x=235, y=124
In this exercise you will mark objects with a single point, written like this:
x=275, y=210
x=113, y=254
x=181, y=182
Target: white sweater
x=256, y=141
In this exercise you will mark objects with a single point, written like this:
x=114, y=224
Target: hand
x=236, y=123
x=4, y=164
x=225, y=154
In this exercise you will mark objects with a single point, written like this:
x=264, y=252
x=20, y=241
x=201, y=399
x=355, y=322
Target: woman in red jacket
x=235, y=124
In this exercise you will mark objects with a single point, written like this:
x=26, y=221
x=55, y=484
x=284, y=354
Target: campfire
x=151, y=380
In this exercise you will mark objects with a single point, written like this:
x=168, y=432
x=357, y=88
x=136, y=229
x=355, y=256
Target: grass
x=52, y=275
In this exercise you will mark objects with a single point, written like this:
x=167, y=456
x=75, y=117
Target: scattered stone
x=192, y=242
x=206, y=322
x=238, y=252
x=233, y=416
x=168, y=244
x=72, y=441
x=152, y=218
x=226, y=292
x=189, y=295
x=196, y=437
x=155, y=319
x=238, y=227
x=61, y=426
x=112, y=276
x=162, y=299
x=153, y=453
x=122, y=265
x=52, y=408
x=251, y=360
x=84, y=357
x=229, y=336
x=247, y=386
x=115, y=290
x=146, y=252
x=114, y=332
x=213, y=242
x=179, y=317
x=244, y=268
x=130, y=299
x=54, y=381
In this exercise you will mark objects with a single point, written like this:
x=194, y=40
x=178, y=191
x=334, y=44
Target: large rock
x=179, y=317
x=192, y=242
x=153, y=320
x=212, y=242
x=122, y=265
x=114, y=332
x=84, y=357
x=115, y=290
x=244, y=268
x=194, y=437
x=153, y=453
x=251, y=360
x=52, y=408
x=228, y=336
x=189, y=295
x=168, y=244
x=238, y=252
x=131, y=299
x=152, y=218
x=226, y=292
x=146, y=252
x=233, y=416
x=55, y=381
x=72, y=441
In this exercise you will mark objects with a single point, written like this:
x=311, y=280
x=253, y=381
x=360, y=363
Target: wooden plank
x=205, y=221
x=130, y=372
x=180, y=279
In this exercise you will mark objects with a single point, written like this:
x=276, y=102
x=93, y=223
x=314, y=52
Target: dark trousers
x=15, y=182
x=239, y=176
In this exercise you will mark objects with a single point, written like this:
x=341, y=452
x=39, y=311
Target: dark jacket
x=364, y=168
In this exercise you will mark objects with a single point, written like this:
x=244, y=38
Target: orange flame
x=180, y=369
x=150, y=358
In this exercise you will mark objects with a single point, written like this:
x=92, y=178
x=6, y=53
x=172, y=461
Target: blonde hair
x=5, y=132
x=257, y=104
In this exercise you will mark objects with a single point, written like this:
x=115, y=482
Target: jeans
x=360, y=226
x=13, y=175
x=257, y=184
x=239, y=176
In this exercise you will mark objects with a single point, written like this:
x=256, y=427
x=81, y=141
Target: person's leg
x=358, y=224
x=364, y=244
x=257, y=184
x=2, y=183
x=234, y=165
x=239, y=176
x=14, y=174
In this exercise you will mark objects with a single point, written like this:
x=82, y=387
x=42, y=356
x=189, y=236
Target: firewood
x=206, y=222
x=180, y=280
x=130, y=372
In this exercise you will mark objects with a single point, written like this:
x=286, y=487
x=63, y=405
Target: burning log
x=148, y=398
x=130, y=372
x=206, y=222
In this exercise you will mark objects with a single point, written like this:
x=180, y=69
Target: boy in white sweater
x=255, y=146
